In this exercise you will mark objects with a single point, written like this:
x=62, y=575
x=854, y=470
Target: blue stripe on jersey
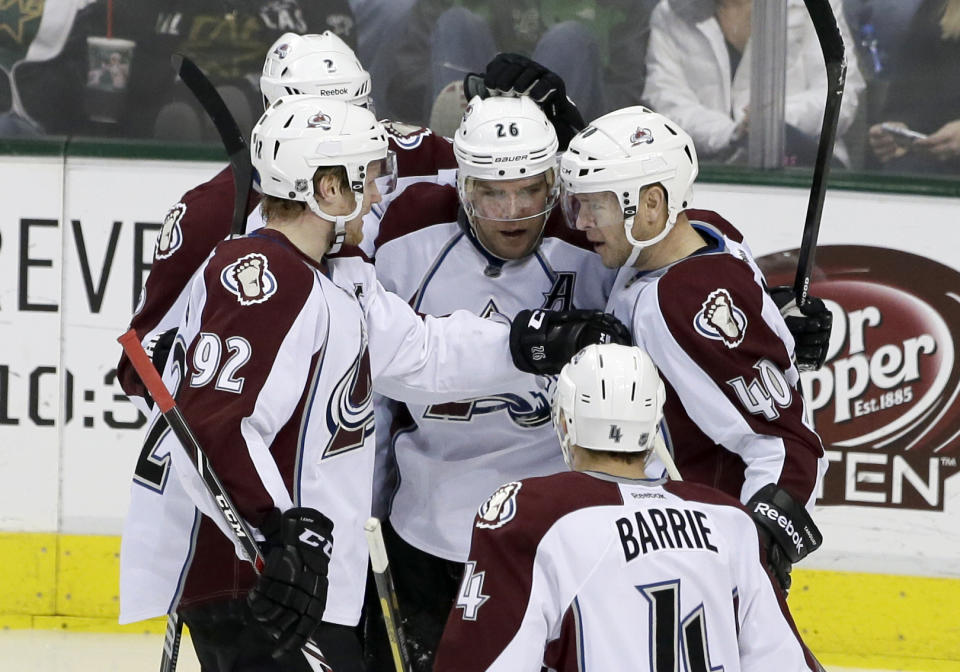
x=578, y=624
x=418, y=297
x=552, y=274
x=185, y=568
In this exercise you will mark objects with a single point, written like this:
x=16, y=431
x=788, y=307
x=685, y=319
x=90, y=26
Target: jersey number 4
x=670, y=636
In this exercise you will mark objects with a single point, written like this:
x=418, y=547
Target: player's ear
x=328, y=187
x=653, y=200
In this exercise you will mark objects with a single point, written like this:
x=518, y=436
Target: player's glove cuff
x=543, y=341
x=786, y=529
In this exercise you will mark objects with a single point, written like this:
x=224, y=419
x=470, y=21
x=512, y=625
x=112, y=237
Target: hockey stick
x=233, y=139
x=660, y=450
x=178, y=423
x=831, y=44
x=388, y=595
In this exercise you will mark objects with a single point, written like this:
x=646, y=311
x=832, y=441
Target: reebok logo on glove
x=767, y=511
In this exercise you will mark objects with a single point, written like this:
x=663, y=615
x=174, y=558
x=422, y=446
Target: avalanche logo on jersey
x=406, y=136
x=249, y=279
x=642, y=136
x=528, y=410
x=170, y=237
x=320, y=120
x=720, y=319
x=350, y=408
x=501, y=508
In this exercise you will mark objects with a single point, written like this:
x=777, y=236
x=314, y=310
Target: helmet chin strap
x=639, y=245
x=339, y=221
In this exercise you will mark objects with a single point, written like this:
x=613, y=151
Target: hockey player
x=275, y=361
x=694, y=298
x=497, y=255
x=604, y=568
x=318, y=64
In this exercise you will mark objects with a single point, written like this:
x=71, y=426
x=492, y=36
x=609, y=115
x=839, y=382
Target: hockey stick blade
x=232, y=137
x=831, y=44
x=242, y=532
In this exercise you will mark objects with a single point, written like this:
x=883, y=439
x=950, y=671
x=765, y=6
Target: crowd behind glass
x=101, y=68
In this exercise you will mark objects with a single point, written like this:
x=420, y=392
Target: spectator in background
x=924, y=95
x=225, y=38
x=597, y=47
x=698, y=73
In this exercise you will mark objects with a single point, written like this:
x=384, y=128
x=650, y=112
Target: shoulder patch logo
x=500, y=508
x=406, y=136
x=171, y=236
x=249, y=279
x=721, y=320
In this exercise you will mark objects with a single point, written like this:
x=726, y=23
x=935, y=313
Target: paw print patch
x=721, y=320
x=249, y=279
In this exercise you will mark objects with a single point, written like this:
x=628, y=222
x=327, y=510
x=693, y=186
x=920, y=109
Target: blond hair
x=950, y=21
x=276, y=208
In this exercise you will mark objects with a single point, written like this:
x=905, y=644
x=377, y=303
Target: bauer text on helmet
x=611, y=162
x=506, y=153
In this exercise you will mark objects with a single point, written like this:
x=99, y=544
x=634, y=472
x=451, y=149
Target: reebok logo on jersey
x=784, y=523
x=249, y=279
x=501, y=508
x=170, y=237
x=721, y=320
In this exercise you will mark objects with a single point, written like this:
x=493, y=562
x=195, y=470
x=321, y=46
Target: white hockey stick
x=242, y=532
x=388, y=595
x=660, y=450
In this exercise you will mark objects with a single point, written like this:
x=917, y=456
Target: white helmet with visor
x=614, y=158
x=504, y=139
x=299, y=134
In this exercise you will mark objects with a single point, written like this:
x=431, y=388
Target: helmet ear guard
x=319, y=64
x=298, y=134
x=625, y=151
x=609, y=397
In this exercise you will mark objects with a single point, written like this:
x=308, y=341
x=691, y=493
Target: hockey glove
x=516, y=75
x=291, y=594
x=786, y=530
x=542, y=341
x=810, y=327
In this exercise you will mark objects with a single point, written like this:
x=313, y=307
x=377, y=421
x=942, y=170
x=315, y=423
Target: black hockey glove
x=516, y=75
x=291, y=594
x=810, y=326
x=786, y=530
x=542, y=341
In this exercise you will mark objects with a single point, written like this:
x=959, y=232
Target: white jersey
x=734, y=415
x=449, y=457
x=584, y=571
x=280, y=356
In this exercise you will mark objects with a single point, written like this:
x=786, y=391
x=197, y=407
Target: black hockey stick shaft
x=234, y=141
x=387, y=593
x=171, y=643
x=178, y=424
x=831, y=44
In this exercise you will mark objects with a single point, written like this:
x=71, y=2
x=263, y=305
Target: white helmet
x=314, y=64
x=504, y=138
x=622, y=152
x=609, y=397
x=298, y=134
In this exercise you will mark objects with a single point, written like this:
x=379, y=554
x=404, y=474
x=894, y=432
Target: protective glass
x=591, y=209
x=510, y=200
x=384, y=173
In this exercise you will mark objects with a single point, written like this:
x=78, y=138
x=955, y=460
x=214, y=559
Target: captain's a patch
x=500, y=508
